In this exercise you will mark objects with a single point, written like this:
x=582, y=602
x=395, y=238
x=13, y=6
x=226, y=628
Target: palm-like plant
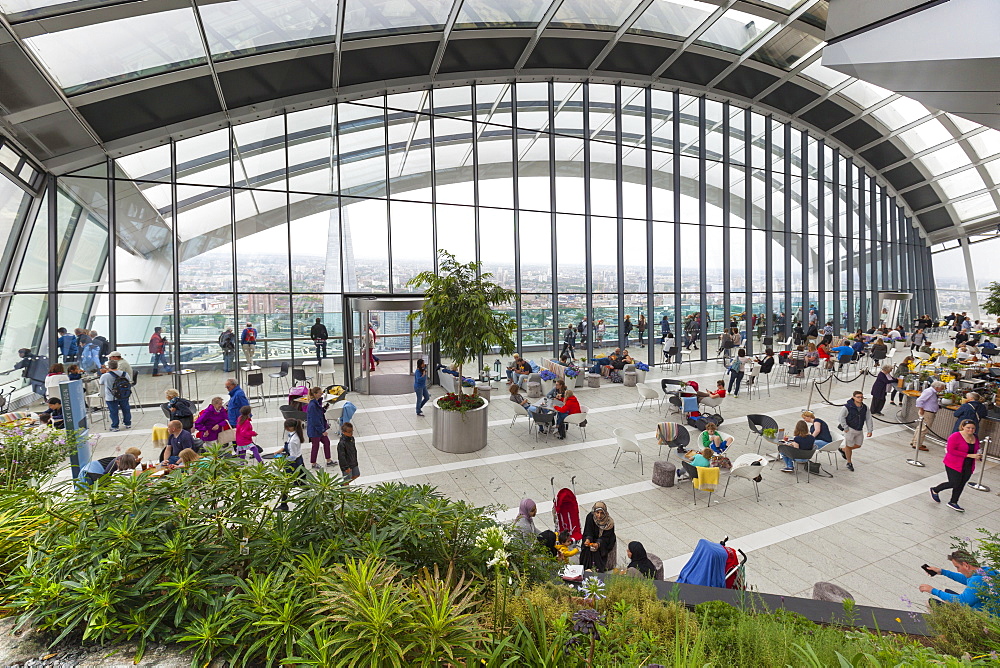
x=458, y=312
x=992, y=303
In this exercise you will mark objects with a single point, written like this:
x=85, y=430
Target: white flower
x=498, y=557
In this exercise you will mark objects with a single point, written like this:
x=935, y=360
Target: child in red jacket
x=245, y=435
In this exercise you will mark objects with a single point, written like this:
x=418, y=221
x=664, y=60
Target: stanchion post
x=810, y=400
x=920, y=443
x=979, y=486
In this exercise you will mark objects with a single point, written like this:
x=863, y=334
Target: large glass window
x=276, y=221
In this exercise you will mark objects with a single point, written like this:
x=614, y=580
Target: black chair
x=299, y=376
x=680, y=442
x=758, y=423
x=290, y=412
x=255, y=381
x=798, y=457
x=547, y=420
x=692, y=472
x=133, y=397
x=275, y=378
x=768, y=342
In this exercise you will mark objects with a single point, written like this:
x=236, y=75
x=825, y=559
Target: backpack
x=121, y=387
x=90, y=359
x=579, y=328
x=701, y=422
x=251, y=336
x=615, y=376
x=183, y=408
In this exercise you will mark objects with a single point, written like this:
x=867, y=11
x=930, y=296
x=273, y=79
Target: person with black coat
x=600, y=546
x=347, y=453
x=971, y=409
x=319, y=335
x=640, y=561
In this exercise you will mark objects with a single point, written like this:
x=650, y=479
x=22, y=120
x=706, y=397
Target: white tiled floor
x=868, y=531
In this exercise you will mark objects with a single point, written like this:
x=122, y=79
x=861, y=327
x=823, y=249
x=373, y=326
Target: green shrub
x=203, y=558
x=28, y=455
x=959, y=629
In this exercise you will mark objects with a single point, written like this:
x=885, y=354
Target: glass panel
x=241, y=27
x=259, y=154
x=944, y=160
x=607, y=14
x=505, y=13
x=865, y=94
x=261, y=241
x=412, y=242
x=14, y=204
x=735, y=31
x=674, y=18
x=975, y=207
x=824, y=75
x=962, y=183
x=315, y=237
x=900, y=112
x=367, y=17
x=365, y=227
x=787, y=47
x=23, y=328
x=925, y=135
x=496, y=240
x=536, y=251
x=986, y=143
x=106, y=53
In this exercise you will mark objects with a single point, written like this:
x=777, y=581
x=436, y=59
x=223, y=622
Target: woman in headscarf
x=599, y=543
x=548, y=539
x=525, y=517
x=639, y=560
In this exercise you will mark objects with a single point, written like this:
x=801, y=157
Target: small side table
x=188, y=374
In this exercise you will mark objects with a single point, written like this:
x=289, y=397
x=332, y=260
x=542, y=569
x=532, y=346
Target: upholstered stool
x=534, y=390
x=593, y=380
x=630, y=378
x=827, y=591
x=664, y=473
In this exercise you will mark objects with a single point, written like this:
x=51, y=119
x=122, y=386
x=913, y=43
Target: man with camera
x=968, y=573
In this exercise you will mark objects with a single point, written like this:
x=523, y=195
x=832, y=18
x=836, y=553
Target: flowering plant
x=30, y=452
x=592, y=588
x=493, y=541
x=572, y=371
x=460, y=402
x=547, y=375
x=642, y=366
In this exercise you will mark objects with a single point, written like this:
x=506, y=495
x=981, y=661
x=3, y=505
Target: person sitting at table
x=187, y=458
x=55, y=413
x=126, y=464
x=804, y=441
x=179, y=439
x=823, y=352
x=113, y=466
x=720, y=390
x=516, y=397
x=844, y=354
x=767, y=363
x=74, y=372
x=521, y=371
x=965, y=356
x=212, y=421
x=702, y=458
x=711, y=438
x=801, y=355
x=558, y=391
x=571, y=406
x=819, y=429
x=177, y=408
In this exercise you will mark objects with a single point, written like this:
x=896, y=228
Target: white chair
x=95, y=402
x=752, y=381
x=746, y=472
x=831, y=451
x=520, y=410
x=52, y=384
x=326, y=368
x=645, y=394
x=579, y=419
x=448, y=381
x=334, y=413
x=748, y=459
x=627, y=442
x=786, y=345
x=711, y=402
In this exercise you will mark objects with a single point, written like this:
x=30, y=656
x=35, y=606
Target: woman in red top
x=571, y=406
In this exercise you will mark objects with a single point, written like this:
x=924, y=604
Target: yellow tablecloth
x=160, y=435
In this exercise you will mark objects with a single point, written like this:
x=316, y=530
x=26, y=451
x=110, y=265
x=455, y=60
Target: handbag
x=721, y=462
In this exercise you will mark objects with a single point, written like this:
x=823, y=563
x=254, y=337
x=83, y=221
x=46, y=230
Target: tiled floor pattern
x=868, y=531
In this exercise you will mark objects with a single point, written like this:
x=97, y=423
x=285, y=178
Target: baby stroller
x=565, y=511
x=715, y=565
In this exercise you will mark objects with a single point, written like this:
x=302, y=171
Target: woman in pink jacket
x=959, y=463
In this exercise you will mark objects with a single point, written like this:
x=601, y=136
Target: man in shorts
x=855, y=420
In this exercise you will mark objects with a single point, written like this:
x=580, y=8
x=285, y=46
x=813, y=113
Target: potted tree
x=458, y=314
x=992, y=304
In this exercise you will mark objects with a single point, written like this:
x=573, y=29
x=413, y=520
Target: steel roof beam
x=693, y=37
x=533, y=42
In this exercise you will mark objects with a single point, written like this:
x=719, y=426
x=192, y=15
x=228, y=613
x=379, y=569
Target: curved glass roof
x=88, y=45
